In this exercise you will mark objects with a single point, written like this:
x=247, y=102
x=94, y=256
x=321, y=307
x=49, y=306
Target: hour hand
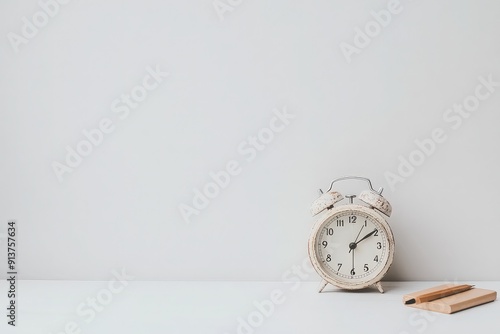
x=367, y=236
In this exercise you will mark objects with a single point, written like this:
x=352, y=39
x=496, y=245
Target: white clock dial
x=352, y=247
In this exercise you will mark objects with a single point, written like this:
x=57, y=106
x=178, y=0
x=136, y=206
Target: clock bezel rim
x=342, y=283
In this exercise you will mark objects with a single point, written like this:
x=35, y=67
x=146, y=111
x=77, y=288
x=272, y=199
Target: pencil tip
x=410, y=301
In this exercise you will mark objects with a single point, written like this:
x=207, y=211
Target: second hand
x=350, y=249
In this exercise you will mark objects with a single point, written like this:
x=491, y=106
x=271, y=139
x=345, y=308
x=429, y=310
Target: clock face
x=352, y=247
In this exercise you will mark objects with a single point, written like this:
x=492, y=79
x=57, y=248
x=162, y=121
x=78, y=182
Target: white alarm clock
x=351, y=245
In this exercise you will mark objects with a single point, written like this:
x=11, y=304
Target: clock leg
x=322, y=285
x=379, y=287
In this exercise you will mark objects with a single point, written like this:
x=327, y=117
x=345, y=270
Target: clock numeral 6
x=353, y=272
x=328, y=258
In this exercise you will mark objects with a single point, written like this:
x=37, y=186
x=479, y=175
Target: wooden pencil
x=439, y=294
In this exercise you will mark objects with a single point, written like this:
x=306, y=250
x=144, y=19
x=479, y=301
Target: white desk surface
x=214, y=308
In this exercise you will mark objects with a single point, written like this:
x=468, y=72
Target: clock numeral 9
x=328, y=258
x=324, y=243
x=352, y=219
x=365, y=268
x=379, y=245
x=329, y=231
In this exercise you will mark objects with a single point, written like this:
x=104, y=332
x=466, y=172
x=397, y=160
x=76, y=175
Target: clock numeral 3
x=379, y=245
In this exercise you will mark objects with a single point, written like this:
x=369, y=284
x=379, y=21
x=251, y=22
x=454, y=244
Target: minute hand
x=367, y=236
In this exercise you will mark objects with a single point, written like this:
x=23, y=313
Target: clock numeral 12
x=352, y=219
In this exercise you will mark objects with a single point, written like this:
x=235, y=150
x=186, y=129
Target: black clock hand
x=350, y=248
x=359, y=233
x=367, y=236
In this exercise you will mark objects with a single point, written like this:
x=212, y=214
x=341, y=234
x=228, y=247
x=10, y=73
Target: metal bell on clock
x=376, y=201
x=325, y=201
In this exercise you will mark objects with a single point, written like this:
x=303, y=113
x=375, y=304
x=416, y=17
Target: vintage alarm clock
x=351, y=245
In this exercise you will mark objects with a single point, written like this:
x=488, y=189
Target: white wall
x=120, y=206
